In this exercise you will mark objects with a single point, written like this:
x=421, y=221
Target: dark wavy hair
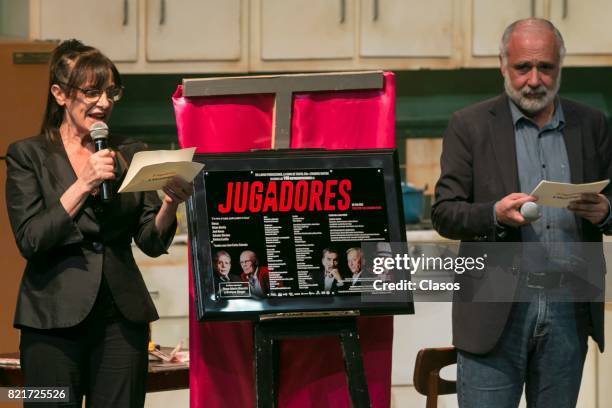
x=73, y=65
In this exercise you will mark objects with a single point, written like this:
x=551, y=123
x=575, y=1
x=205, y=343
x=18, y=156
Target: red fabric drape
x=311, y=370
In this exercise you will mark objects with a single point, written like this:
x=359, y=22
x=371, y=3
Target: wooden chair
x=427, y=379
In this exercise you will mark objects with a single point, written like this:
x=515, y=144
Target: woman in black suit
x=83, y=308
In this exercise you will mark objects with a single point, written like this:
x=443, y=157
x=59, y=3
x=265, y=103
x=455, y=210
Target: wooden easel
x=267, y=332
x=266, y=335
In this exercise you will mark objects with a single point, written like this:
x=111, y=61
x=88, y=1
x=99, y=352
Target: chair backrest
x=427, y=379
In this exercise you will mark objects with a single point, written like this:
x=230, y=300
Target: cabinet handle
x=342, y=11
x=375, y=14
x=565, y=7
x=532, y=8
x=125, y=12
x=162, y=12
x=154, y=293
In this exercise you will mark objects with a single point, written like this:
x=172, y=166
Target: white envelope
x=151, y=170
x=559, y=195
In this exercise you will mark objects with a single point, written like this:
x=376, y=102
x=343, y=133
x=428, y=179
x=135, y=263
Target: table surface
x=162, y=376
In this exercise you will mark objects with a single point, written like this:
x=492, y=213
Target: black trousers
x=103, y=358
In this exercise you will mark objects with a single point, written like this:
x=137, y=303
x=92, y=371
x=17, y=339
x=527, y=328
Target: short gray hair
x=353, y=249
x=221, y=253
x=252, y=256
x=503, y=45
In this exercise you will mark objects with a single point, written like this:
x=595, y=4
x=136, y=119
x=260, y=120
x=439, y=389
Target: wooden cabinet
x=24, y=90
x=585, y=26
x=225, y=36
x=486, y=23
x=148, y=36
x=302, y=35
x=489, y=21
x=604, y=362
x=113, y=28
x=193, y=30
x=406, y=28
x=321, y=29
x=410, y=34
x=167, y=278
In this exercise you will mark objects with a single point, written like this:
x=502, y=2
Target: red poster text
x=284, y=196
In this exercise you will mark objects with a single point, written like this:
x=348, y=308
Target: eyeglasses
x=113, y=93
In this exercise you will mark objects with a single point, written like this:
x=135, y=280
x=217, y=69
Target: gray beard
x=532, y=105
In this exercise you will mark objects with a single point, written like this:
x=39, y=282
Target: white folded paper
x=559, y=195
x=151, y=170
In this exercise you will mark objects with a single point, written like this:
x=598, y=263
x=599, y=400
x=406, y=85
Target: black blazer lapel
x=504, y=144
x=121, y=163
x=573, y=143
x=58, y=164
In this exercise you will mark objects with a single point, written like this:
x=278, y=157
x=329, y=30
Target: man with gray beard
x=494, y=153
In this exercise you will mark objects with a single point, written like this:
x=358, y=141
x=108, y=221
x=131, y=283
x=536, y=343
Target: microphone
x=99, y=135
x=530, y=211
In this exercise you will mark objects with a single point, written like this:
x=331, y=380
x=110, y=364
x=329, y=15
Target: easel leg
x=267, y=356
x=266, y=368
x=357, y=384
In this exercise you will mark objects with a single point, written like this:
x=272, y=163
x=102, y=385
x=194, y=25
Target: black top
x=67, y=257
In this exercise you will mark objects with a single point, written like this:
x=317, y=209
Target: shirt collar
x=556, y=122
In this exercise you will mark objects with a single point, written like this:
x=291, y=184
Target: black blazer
x=66, y=256
x=318, y=277
x=478, y=168
x=217, y=279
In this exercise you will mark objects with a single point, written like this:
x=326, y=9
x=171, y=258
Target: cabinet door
x=490, y=18
x=167, y=280
x=111, y=25
x=604, y=361
x=584, y=24
x=406, y=28
x=193, y=30
x=307, y=29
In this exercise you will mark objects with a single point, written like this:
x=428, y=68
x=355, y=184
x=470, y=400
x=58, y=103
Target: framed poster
x=280, y=232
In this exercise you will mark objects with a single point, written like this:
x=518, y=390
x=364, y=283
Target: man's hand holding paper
x=591, y=206
x=585, y=200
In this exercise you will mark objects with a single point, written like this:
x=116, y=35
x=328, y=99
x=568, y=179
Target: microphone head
x=530, y=211
x=98, y=130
